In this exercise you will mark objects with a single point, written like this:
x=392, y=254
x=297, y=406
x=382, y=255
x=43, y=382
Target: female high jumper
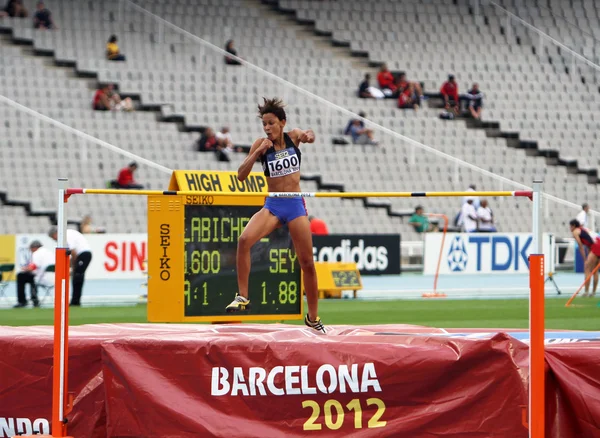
x=280, y=156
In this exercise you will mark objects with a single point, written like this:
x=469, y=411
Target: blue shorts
x=286, y=209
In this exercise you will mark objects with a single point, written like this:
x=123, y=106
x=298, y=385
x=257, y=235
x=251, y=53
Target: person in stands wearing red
x=101, y=99
x=449, y=92
x=386, y=81
x=125, y=179
x=318, y=227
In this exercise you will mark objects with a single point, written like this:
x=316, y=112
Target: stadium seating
x=166, y=68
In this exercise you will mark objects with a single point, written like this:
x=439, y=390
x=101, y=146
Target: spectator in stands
x=228, y=59
x=33, y=273
x=404, y=83
x=468, y=216
x=407, y=97
x=207, y=141
x=14, y=8
x=449, y=92
x=365, y=91
x=107, y=99
x=359, y=132
x=485, y=218
x=386, y=81
x=101, y=100
x=118, y=104
x=225, y=146
x=351, y=121
x=125, y=179
x=583, y=215
x=86, y=227
x=475, y=101
x=318, y=227
x=112, y=50
x=42, y=19
x=420, y=221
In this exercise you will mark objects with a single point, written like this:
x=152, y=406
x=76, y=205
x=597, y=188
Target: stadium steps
x=163, y=115
x=493, y=129
x=532, y=148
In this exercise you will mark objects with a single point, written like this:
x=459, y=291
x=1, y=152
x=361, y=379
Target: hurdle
x=62, y=401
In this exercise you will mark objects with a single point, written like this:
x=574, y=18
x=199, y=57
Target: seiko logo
x=281, y=154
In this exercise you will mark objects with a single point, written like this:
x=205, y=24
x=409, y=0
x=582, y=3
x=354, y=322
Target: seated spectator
x=118, y=104
x=112, y=50
x=86, y=227
x=225, y=145
x=42, y=19
x=407, y=98
x=34, y=273
x=229, y=48
x=404, y=83
x=386, y=81
x=107, y=99
x=101, y=100
x=15, y=9
x=359, y=133
x=449, y=92
x=318, y=227
x=365, y=91
x=351, y=121
x=485, y=218
x=475, y=101
x=420, y=221
x=207, y=141
x=125, y=179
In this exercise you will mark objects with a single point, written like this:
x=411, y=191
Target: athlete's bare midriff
x=289, y=183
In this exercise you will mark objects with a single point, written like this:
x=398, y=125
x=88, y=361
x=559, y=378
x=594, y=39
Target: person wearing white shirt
x=582, y=215
x=469, y=216
x=485, y=218
x=81, y=256
x=475, y=199
x=224, y=144
x=33, y=274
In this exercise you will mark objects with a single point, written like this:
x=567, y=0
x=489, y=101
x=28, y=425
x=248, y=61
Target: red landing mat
x=148, y=380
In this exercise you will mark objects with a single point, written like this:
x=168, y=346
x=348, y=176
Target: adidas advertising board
x=374, y=254
x=483, y=253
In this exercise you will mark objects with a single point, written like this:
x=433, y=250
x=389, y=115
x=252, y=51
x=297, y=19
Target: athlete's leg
x=594, y=263
x=302, y=238
x=261, y=225
x=590, y=263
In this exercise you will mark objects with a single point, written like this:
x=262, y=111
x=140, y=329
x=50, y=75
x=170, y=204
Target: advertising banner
x=482, y=253
x=7, y=249
x=114, y=256
x=374, y=254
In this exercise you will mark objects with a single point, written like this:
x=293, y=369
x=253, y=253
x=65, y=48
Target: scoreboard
x=192, y=254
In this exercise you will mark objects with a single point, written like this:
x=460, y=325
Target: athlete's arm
x=576, y=234
x=258, y=148
x=299, y=136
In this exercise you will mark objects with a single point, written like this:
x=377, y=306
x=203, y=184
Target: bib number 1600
x=284, y=163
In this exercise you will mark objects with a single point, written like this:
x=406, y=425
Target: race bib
x=283, y=163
